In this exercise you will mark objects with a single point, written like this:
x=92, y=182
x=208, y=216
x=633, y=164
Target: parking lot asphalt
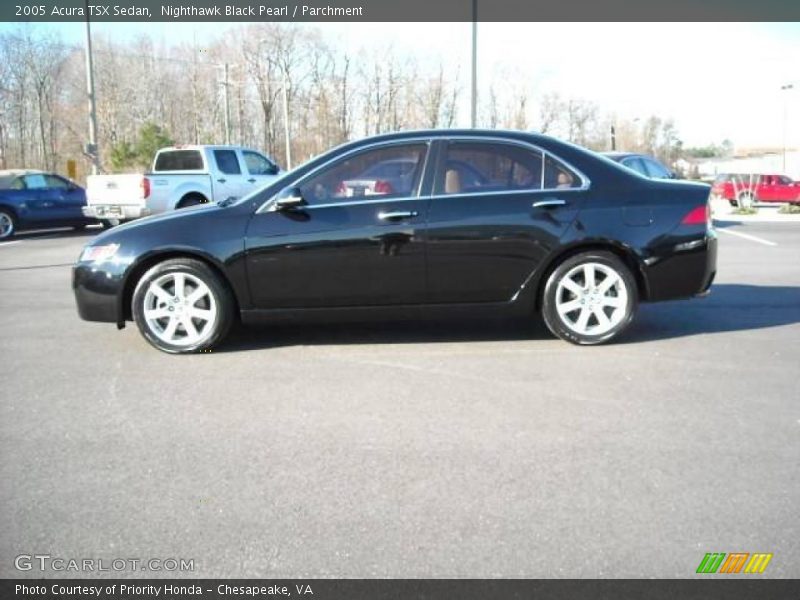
x=423, y=449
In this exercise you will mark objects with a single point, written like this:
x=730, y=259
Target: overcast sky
x=716, y=80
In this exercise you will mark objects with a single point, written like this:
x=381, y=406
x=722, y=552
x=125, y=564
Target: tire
x=8, y=224
x=191, y=200
x=168, y=324
x=734, y=203
x=572, y=312
x=109, y=223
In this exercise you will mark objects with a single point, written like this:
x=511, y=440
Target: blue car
x=36, y=200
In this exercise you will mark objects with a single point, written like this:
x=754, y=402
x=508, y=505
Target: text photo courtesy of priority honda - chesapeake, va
x=364, y=301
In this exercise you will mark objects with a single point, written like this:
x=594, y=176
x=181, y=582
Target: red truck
x=739, y=187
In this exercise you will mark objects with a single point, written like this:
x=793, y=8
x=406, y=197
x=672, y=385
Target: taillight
x=383, y=187
x=145, y=185
x=699, y=215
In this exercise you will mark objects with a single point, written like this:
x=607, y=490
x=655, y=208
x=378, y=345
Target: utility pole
x=613, y=138
x=226, y=100
x=474, y=94
x=785, y=88
x=91, y=149
x=286, y=132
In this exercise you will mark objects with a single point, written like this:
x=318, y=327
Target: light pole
x=474, y=94
x=286, y=133
x=92, y=150
x=785, y=88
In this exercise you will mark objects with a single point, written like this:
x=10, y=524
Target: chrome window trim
x=427, y=140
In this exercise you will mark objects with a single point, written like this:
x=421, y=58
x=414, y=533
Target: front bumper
x=123, y=212
x=97, y=290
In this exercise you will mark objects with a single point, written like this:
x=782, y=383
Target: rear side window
x=56, y=182
x=481, y=167
x=179, y=160
x=656, y=170
x=227, y=162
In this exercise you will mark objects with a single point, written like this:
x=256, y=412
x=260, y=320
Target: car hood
x=190, y=212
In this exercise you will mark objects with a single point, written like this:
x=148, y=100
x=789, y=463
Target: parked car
x=31, y=199
x=642, y=164
x=740, y=188
x=552, y=228
x=181, y=176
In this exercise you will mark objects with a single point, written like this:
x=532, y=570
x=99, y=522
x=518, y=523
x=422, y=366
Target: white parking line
x=747, y=236
x=10, y=243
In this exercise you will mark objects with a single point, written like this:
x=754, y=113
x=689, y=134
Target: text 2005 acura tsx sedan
x=411, y=222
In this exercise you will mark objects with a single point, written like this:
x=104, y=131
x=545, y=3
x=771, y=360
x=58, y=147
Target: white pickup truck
x=181, y=176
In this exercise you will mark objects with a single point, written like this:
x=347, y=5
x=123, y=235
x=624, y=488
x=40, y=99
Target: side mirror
x=289, y=198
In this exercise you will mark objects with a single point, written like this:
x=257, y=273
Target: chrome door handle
x=548, y=203
x=399, y=214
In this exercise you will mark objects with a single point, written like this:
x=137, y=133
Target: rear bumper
x=115, y=211
x=688, y=271
x=97, y=292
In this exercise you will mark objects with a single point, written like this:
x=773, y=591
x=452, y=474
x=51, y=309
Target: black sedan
x=546, y=226
x=31, y=199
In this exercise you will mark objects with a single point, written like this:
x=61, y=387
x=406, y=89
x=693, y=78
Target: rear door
x=342, y=249
x=497, y=211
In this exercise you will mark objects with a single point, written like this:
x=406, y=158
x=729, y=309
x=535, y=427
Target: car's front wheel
x=589, y=298
x=181, y=306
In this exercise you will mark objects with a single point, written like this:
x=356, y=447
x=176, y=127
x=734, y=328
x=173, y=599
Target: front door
x=357, y=241
x=229, y=180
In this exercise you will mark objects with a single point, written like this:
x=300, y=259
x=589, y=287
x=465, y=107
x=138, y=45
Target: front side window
x=654, y=169
x=257, y=164
x=35, y=182
x=227, y=162
x=393, y=171
x=56, y=182
x=635, y=164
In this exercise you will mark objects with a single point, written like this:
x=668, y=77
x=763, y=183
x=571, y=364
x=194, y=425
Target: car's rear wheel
x=8, y=224
x=191, y=200
x=181, y=306
x=589, y=298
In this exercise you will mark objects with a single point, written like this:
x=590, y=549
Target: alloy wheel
x=591, y=299
x=180, y=309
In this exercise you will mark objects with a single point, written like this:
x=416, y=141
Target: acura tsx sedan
x=494, y=221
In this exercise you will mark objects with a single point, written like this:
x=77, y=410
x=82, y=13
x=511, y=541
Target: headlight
x=99, y=253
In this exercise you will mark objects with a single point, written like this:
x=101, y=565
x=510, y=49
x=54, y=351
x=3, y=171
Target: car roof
x=8, y=173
